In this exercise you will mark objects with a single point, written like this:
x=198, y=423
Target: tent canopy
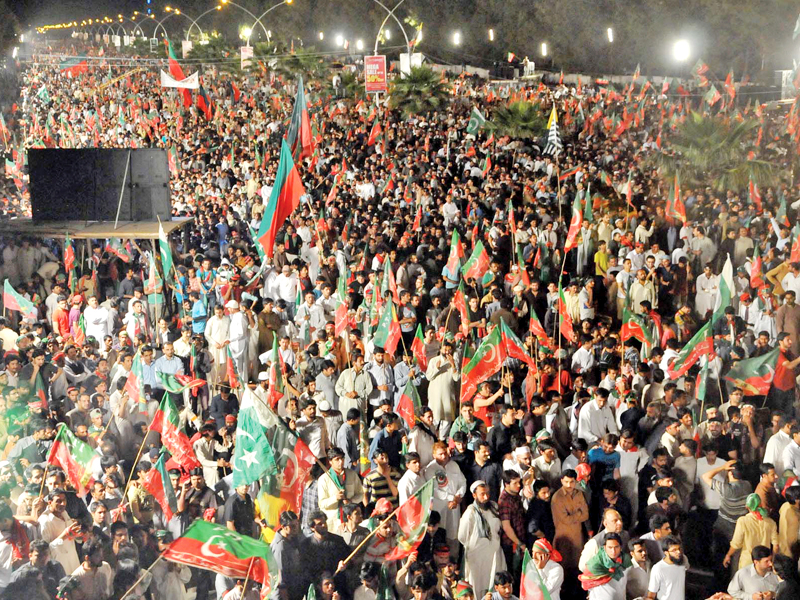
x=89, y=230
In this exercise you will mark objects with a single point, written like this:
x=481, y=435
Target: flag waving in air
x=166, y=422
x=13, y=300
x=754, y=376
x=216, y=548
x=75, y=457
x=283, y=200
x=413, y=521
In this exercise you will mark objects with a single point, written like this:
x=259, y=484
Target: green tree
x=711, y=148
x=419, y=93
x=520, y=120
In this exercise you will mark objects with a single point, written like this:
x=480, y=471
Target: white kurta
x=483, y=556
x=61, y=549
x=239, y=333
x=553, y=576
x=217, y=333
x=441, y=391
x=450, y=482
x=706, y=293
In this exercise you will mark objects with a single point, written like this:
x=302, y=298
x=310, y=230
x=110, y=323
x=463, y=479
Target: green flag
x=166, y=252
x=476, y=122
x=252, y=456
x=43, y=95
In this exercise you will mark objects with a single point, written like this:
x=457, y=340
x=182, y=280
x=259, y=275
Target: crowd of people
x=620, y=475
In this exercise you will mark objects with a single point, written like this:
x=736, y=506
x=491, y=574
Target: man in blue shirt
x=168, y=364
x=199, y=314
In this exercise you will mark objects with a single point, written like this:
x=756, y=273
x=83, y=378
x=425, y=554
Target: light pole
x=399, y=24
x=242, y=8
x=265, y=13
x=194, y=21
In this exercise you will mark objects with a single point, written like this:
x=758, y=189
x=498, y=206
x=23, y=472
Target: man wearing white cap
x=239, y=333
x=479, y=532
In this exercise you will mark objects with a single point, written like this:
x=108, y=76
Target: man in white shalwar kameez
x=239, y=333
x=412, y=479
x=217, y=328
x=448, y=489
x=479, y=533
x=443, y=375
x=707, y=287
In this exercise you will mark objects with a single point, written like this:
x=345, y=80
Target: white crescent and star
x=249, y=457
x=205, y=549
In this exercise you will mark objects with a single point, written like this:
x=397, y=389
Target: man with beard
x=479, y=532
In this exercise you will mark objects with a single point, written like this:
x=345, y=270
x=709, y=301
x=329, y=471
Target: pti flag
x=413, y=521
x=216, y=548
x=75, y=457
x=166, y=422
x=754, y=375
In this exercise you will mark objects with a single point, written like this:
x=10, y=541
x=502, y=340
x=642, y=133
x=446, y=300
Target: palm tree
x=351, y=86
x=713, y=150
x=420, y=92
x=217, y=49
x=520, y=120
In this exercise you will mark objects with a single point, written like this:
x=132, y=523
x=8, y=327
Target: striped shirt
x=376, y=486
x=733, y=498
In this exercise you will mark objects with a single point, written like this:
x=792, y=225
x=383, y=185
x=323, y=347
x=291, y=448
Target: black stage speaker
x=85, y=185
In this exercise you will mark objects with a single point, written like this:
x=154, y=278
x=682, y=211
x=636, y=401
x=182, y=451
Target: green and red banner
x=633, y=326
x=157, y=482
x=299, y=135
x=418, y=349
x=575, y=223
x=216, y=548
x=13, y=300
x=75, y=457
x=74, y=65
x=413, y=521
x=702, y=344
x=230, y=368
x=177, y=384
x=135, y=383
x=564, y=319
x=408, y=404
x=531, y=586
x=284, y=199
x=388, y=333
x=754, y=375
x=756, y=268
x=478, y=263
x=456, y=255
x=166, y=422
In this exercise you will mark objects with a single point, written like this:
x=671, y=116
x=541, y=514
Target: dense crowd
x=620, y=474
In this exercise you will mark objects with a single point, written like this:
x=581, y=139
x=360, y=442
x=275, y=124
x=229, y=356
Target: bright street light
x=457, y=38
x=387, y=34
x=339, y=40
x=610, y=33
x=544, y=48
x=491, y=35
x=359, y=44
x=321, y=35
x=681, y=50
x=247, y=32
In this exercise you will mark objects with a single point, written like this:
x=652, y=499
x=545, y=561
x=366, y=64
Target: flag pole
x=143, y=575
x=247, y=578
x=136, y=462
x=364, y=541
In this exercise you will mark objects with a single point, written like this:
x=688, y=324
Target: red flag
x=418, y=349
x=417, y=226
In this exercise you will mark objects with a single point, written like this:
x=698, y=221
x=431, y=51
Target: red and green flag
x=172, y=161
x=294, y=460
x=455, y=257
x=568, y=173
x=204, y=103
x=795, y=255
x=69, y=262
x=487, y=166
x=564, y=319
x=493, y=350
x=388, y=333
x=538, y=331
x=176, y=72
x=413, y=521
x=157, y=482
x=702, y=344
x=166, y=422
x=781, y=215
x=408, y=404
x=216, y=548
x=478, y=263
x=177, y=384
x=755, y=196
x=756, y=268
x=375, y=134
x=531, y=586
x=418, y=349
x=118, y=249
x=633, y=326
x=676, y=209
x=230, y=367
x=754, y=375
x=575, y=223
x=75, y=457
x=74, y=65
x=284, y=199
x=80, y=330
x=298, y=135
x=460, y=302
x=417, y=226
x=13, y=300
x=275, y=386
x=40, y=390
x=135, y=383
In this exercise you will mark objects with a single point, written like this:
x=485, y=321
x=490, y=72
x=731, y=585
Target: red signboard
x=375, y=74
